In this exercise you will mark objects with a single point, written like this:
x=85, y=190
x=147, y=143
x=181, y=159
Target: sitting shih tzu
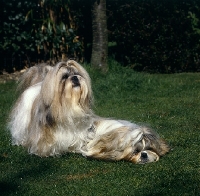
x=53, y=116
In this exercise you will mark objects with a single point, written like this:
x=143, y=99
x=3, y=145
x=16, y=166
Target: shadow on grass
x=26, y=170
x=7, y=187
x=179, y=184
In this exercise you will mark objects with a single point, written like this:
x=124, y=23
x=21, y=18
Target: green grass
x=169, y=103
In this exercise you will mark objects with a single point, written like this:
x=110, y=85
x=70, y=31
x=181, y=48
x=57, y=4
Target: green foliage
x=169, y=103
x=153, y=35
x=13, y=31
x=194, y=22
x=156, y=36
x=55, y=30
x=45, y=29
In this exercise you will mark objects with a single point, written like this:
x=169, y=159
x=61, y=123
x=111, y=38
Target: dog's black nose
x=75, y=81
x=74, y=78
x=144, y=155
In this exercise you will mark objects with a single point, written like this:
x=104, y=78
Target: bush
x=156, y=36
x=153, y=36
x=39, y=31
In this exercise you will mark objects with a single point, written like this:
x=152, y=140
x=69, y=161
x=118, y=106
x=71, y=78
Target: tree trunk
x=100, y=36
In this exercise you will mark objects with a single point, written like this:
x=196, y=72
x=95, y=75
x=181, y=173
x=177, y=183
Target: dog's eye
x=150, y=149
x=65, y=76
x=136, y=151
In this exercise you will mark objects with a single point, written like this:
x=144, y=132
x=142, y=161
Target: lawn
x=168, y=103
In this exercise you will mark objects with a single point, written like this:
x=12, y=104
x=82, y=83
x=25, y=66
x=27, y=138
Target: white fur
x=52, y=117
x=21, y=114
x=107, y=126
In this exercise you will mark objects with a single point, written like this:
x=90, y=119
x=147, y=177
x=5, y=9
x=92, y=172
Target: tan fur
x=53, y=116
x=33, y=76
x=111, y=146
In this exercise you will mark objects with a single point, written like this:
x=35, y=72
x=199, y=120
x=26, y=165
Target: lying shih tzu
x=53, y=116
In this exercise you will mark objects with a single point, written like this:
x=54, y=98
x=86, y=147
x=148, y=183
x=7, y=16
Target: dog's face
x=67, y=86
x=145, y=156
x=149, y=149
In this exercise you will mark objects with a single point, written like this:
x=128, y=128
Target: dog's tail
x=33, y=76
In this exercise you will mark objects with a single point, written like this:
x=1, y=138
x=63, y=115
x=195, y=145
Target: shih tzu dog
x=53, y=116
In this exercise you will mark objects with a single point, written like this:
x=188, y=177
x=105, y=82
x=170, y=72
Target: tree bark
x=100, y=36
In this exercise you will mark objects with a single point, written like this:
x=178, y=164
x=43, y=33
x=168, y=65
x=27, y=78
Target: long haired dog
x=53, y=116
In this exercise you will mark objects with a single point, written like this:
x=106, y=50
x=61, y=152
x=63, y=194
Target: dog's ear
x=155, y=143
x=164, y=147
x=48, y=87
x=32, y=76
x=50, y=121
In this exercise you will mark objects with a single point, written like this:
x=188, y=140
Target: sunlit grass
x=168, y=103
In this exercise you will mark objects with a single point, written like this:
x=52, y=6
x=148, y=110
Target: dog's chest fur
x=74, y=136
